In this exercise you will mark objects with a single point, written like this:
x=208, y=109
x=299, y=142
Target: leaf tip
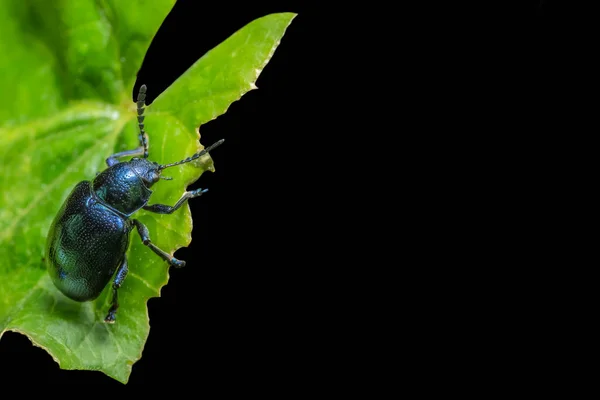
x=290, y=16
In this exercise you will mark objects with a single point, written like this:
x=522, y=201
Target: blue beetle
x=89, y=235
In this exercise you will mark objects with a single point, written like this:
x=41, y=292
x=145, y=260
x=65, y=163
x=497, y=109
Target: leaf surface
x=68, y=72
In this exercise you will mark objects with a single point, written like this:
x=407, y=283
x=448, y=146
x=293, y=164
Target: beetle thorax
x=121, y=188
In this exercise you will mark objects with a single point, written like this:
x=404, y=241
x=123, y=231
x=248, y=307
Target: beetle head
x=148, y=170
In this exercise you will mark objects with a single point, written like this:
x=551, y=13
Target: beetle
x=88, y=239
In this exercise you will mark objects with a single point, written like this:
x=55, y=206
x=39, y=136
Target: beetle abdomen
x=86, y=244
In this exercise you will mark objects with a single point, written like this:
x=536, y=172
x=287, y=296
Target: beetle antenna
x=166, y=178
x=143, y=138
x=195, y=156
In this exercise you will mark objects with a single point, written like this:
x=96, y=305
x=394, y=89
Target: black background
x=250, y=311
x=232, y=316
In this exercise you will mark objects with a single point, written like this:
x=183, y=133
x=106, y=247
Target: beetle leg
x=117, y=282
x=164, y=209
x=112, y=160
x=145, y=235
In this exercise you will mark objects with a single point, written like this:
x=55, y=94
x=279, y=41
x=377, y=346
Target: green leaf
x=67, y=76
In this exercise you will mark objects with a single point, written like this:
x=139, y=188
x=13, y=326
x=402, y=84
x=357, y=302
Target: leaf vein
x=145, y=282
x=115, y=341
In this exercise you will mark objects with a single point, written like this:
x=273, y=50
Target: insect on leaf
x=68, y=72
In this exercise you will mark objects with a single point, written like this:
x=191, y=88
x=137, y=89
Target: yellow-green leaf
x=67, y=75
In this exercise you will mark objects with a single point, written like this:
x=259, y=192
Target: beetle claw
x=198, y=192
x=110, y=318
x=177, y=263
